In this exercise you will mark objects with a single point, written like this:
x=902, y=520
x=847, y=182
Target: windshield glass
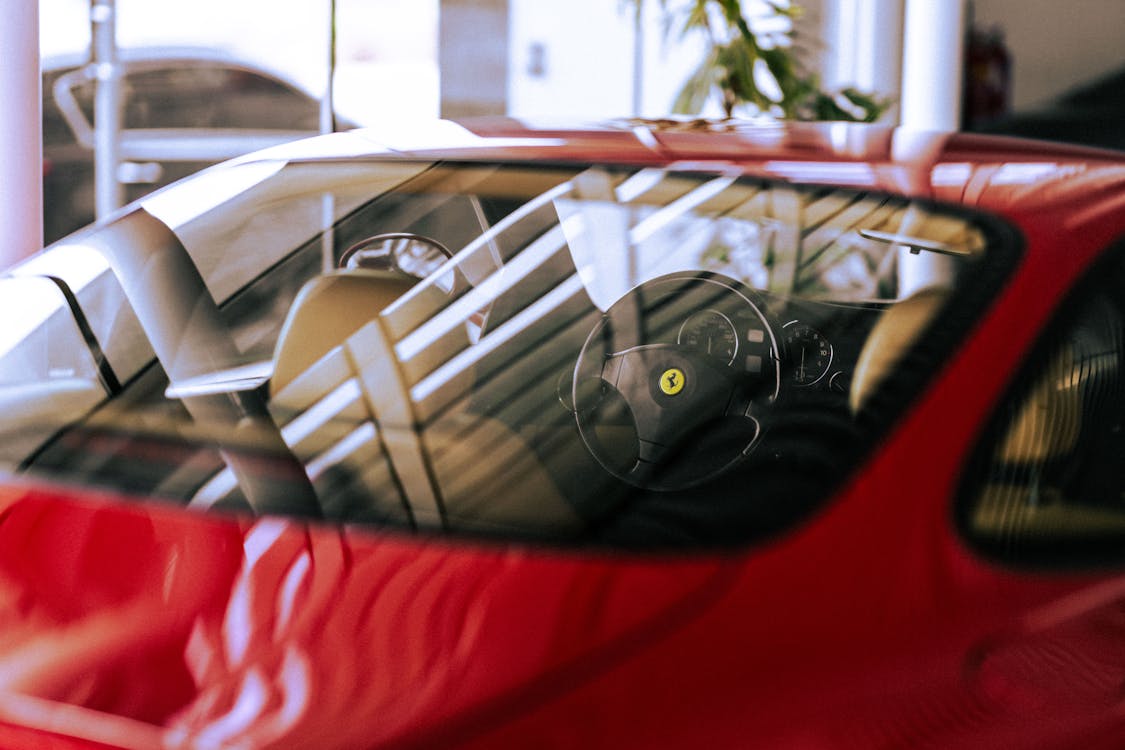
x=48, y=373
x=568, y=352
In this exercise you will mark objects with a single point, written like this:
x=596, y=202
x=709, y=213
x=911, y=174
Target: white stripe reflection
x=483, y=243
x=522, y=321
x=677, y=208
x=500, y=282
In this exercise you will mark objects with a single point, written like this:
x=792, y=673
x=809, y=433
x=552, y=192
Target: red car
x=654, y=434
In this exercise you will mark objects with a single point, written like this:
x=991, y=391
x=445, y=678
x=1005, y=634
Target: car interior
x=563, y=353
x=1047, y=487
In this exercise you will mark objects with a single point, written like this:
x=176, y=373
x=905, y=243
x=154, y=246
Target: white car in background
x=182, y=109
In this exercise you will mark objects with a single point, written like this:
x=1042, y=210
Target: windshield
x=569, y=352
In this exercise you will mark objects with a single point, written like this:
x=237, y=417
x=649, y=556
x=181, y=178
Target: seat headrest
x=327, y=310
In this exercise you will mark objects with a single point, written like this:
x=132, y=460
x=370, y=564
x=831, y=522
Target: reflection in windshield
x=604, y=348
x=48, y=373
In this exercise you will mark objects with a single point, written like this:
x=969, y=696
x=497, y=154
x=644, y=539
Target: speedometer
x=710, y=332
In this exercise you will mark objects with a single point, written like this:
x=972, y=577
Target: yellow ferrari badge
x=672, y=381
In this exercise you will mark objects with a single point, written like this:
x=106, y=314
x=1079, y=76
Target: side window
x=1049, y=488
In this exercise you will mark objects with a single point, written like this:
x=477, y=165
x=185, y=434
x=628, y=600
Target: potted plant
x=758, y=66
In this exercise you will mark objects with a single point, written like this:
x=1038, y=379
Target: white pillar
x=863, y=41
x=21, y=133
x=932, y=64
x=638, y=59
x=109, y=194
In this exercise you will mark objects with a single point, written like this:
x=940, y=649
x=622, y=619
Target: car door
x=1045, y=495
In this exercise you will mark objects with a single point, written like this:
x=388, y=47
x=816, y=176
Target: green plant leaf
x=697, y=17
x=728, y=68
x=695, y=91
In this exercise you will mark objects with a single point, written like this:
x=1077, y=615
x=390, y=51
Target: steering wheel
x=673, y=383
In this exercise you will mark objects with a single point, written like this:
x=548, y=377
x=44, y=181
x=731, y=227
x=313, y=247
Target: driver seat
x=345, y=402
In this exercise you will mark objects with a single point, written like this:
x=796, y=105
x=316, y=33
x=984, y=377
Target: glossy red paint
x=871, y=625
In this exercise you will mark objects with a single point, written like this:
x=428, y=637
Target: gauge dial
x=810, y=353
x=710, y=332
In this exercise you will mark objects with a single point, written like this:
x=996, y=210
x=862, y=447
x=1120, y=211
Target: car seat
x=896, y=331
x=344, y=398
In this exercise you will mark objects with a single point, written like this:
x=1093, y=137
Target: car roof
x=996, y=172
x=768, y=139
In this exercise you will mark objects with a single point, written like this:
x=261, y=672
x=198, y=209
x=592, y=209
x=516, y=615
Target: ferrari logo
x=672, y=381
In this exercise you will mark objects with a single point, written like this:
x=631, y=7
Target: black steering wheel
x=673, y=384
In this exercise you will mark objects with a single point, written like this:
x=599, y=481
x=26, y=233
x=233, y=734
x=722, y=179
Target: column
x=932, y=64
x=21, y=133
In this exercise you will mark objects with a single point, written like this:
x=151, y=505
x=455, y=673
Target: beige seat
x=896, y=331
x=326, y=311
x=1050, y=419
x=1045, y=427
x=1047, y=424
x=344, y=400
x=1044, y=430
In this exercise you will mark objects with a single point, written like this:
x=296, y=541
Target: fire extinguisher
x=988, y=78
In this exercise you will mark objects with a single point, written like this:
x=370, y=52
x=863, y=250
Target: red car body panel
x=872, y=624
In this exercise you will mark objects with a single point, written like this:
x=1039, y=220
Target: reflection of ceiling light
x=1022, y=174
x=951, y=175
x=344, y=145
x=207, y=190
x=480, y=297
x=78, y=265
x=1035, y=172
x=28, y=304
x=677, y=208
x=844, y=174
x=423, y=135
x=31, y=301
x=638, y=184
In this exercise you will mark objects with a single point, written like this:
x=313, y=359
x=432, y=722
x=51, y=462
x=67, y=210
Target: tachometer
x=710, y=332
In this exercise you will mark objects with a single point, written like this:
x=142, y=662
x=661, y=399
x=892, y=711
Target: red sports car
x=653, y=434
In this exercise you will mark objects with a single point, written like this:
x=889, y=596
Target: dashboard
x=684, y=376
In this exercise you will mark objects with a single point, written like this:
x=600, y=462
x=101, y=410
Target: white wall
x=473, y=57
x=21, y=166
x=575, y=58
x=569, y=59
x=1056, y=44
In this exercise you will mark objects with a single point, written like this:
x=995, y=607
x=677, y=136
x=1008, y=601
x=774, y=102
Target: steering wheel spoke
x=649, y=452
